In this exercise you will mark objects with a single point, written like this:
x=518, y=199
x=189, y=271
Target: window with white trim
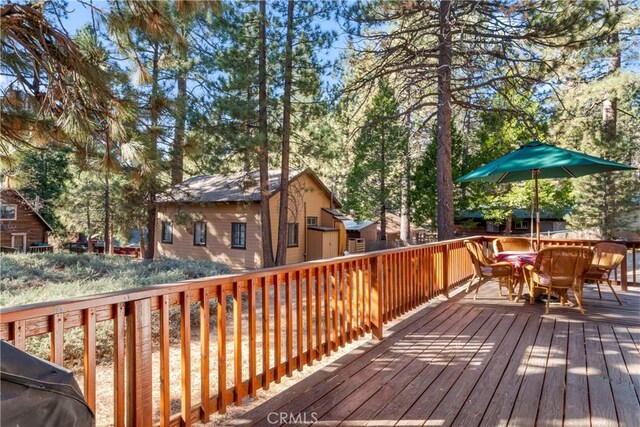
x=167, y=232
x=8, y=212
x=200, y=234
x=238, y=235
x=292, y=234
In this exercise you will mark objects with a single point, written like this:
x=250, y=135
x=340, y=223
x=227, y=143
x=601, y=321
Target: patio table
x=517, y=260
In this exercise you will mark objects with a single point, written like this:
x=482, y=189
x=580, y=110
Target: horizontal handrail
x=292, y=315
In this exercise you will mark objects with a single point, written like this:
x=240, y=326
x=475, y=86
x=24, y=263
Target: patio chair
x=606, y=259
x=485, y=269
x=559, y=268
x=519, y=244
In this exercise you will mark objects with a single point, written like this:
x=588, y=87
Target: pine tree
x=456, y=53
x=373, y=182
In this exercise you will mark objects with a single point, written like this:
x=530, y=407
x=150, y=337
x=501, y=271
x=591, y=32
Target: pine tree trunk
x=152, y=180
x=404, y=184
x=444, y=180
x=383, y=189
x=107, y=210
x=283, y=213
x=177, y=160
x=263, y=149
x=609, y=133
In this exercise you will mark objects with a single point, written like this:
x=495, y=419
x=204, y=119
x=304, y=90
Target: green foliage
x=31, y=278
x=423, y=193
x=373, y=183
x=43, y=174
x=496, y=135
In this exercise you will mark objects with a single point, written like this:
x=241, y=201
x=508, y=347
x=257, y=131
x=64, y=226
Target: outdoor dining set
x=550, y=270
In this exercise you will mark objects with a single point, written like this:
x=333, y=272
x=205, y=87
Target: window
x=8, y=212
x=522, y=225
x=292, y=234
x=238, y=235
x=493, y=227
x=167, y=232
x=200, y=234
x=312, y=220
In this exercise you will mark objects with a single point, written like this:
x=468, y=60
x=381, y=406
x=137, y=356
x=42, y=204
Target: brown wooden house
x=217, y=218
x=21, y=226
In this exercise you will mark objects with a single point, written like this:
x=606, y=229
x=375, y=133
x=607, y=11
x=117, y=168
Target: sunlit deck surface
x=486, y=362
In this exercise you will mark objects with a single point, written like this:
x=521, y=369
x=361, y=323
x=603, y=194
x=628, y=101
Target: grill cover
x=35, y=392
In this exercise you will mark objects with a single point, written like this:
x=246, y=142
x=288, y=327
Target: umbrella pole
x=536, y=172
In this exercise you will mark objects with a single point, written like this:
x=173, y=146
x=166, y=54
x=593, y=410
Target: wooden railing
x=621, y=276
x=280, y=320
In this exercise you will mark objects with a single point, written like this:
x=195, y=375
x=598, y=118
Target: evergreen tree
x=374, y=180
x=598, y=115
x=455, y=54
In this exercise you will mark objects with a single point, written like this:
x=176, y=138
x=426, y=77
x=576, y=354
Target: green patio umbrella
x=537, y=160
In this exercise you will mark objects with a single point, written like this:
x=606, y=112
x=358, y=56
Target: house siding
x=27, y=221
x=306, y=198
x=218, y=218
x=305, y=195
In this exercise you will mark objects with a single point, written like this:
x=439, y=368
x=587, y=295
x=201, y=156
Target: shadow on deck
x=488, y=362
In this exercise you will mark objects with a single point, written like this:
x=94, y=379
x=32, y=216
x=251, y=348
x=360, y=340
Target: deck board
x=490, y=362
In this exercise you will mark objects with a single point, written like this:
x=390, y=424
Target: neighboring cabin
x=21, y=226
x=371, y=232
x=217, y=217
x=473, y=222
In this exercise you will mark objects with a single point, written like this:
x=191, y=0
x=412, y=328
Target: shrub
x=32, y=278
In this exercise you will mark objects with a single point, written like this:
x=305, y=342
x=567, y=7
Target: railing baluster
x=307, y=280
x=222, y=350
x=165, y=378
x=342, y=306
x=237, y=343
x=319, y=299
x=185, y=359
x=327, y=311
x=289, y=315
x=277, y=330
x=205, y=404
x=266, y=332
x=299, y=325
x=253, y=380
x=334, y=296
x=351, y=297
x=119, y=364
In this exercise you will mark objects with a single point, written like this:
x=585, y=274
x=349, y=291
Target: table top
x=517, y=258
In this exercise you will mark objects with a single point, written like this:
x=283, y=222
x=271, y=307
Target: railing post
x=376, y=297
x=139, y=386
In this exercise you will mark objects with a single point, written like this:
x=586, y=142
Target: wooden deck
x=486, y=362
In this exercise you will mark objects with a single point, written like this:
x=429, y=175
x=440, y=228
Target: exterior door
x=19, y=241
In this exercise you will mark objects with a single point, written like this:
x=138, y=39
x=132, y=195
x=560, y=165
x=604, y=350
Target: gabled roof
x=235, y=188
x=28, y=205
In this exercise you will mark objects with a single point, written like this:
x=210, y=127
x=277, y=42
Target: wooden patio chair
x=559, y=268
x=519, y=244
x=485, y=269
x=606, y=259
